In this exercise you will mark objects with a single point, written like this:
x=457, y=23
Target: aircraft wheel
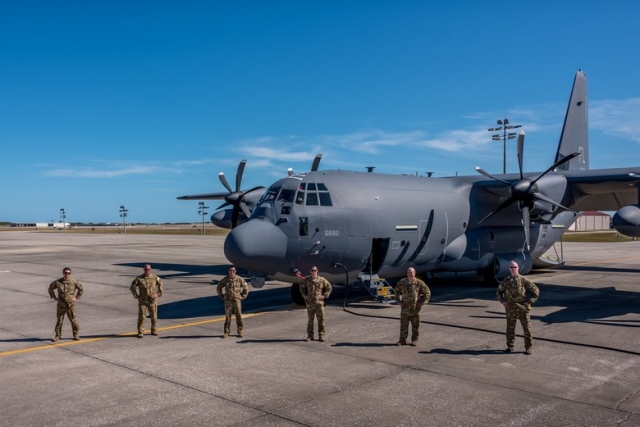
x=490, y=278
x=296, y=296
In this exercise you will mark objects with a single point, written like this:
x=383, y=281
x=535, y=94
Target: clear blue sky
x=109, y=103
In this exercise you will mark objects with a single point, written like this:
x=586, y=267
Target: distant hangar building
x=592, y=221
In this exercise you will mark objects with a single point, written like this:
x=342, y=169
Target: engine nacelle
x=542, y=212
x=501, y=264
x=627, y=221
x=554, y=187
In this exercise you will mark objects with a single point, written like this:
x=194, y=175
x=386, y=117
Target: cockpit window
x=286, y=195
x=317, y=195
x=325, y=198
x=270, y=195
x=312, y=199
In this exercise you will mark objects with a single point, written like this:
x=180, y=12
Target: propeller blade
x=224, y=182
x=520, y=151
x=555, y=165
x=234, y=217
x=316, y=163
x=503, y=205
x=526, y=223
x=549, y=200
x=488, y=175
x=245, y=209
x=239, y=174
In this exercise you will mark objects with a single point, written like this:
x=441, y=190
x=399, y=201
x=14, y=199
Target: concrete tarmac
x=585, y=369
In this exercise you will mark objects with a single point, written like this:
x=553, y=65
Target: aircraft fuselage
x=370, y=223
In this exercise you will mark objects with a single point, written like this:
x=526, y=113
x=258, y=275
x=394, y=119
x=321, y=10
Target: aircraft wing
x=603, y=189
x=206, y=196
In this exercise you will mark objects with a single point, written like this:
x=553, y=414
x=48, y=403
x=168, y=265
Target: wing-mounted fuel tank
x=627, y=221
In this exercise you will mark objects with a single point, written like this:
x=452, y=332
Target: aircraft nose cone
x=256, y=245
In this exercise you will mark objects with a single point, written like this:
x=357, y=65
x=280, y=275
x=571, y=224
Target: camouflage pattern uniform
x=233, y=291
x=412, y=294
x=142, y=288
x=311, y=290
x=513, y=290
x=66, y=292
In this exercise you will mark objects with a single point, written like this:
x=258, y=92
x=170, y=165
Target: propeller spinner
x=525, y=191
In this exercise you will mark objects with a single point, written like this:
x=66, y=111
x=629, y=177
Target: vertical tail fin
x=575, y=131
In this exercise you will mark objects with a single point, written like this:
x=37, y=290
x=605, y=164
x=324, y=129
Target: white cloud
x=616, y=117
x=100, y=173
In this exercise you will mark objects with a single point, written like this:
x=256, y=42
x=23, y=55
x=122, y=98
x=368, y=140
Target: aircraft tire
x=296, y=296
x=490, y=278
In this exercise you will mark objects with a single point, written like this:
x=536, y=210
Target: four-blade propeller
x=237, y=198
x=525, y=191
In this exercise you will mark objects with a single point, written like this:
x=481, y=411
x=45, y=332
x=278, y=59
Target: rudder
x=575, y=131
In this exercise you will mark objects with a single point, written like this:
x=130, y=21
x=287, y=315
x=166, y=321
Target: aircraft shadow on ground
x=577, y=304
x=467, y=352
x=172, y=271
x=214, y=306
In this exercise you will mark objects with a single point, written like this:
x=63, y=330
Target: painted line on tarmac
x=126, y=334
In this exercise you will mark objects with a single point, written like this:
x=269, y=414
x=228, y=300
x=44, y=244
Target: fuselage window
x=304, y=226
x=302, y=186
x=300, y=198
x=311, y=186
x=322, y=187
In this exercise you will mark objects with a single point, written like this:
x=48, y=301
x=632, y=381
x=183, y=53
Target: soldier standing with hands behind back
x=232, y=289
x=315, y=290
x=147, y=288
x=411, y=293
x=517, y=293
x=67, y=296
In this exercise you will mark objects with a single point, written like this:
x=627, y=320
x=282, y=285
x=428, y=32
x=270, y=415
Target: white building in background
x=592, y=221
x=42, y=224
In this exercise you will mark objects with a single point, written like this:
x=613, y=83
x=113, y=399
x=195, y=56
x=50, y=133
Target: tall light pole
x=123, y=214
x=505, y=135
x=202, y=210
x=63, y=215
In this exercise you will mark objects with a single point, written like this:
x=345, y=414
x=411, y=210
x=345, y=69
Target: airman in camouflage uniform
x=411, y=294
x=147, y=288
x=69, y=290
x=315, y=290
x=517, y=293
x=232, y=289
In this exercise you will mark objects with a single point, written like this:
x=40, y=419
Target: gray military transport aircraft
x=363, y=226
